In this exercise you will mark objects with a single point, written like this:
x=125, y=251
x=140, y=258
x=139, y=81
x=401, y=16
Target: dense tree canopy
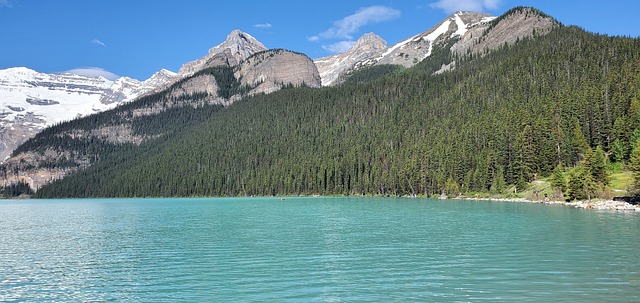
x=505, y=117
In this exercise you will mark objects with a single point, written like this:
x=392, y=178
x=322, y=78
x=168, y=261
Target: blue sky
x=136, y=38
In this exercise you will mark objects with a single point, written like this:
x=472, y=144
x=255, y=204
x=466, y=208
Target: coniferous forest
x=568, y=99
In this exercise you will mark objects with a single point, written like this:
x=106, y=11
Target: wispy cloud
x=346, y=27
x=97, y=41
x=450, y=6
x=263, y=25
x=6, y=3
x=338, y=47
x=92, y=72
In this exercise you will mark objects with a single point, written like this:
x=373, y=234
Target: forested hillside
x=505, y=117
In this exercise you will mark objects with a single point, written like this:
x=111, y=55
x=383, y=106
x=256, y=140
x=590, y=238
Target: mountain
x=501, y=113
x=236, y=48
x=204, y=87
x=460, y=32
x=32, y=100
x=222, y=84
x=332, y=67
x=271, y=70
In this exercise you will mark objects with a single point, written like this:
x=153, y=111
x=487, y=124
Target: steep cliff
x=268, y=71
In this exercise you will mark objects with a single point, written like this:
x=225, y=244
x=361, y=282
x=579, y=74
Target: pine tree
x=634, y=139
x=581, y=185
x=524, y=163
x=618, y=151
x=579, y=144
x=452, y=189
x=597, y=164
x=558, y=179
x=498, y=183
x=634, y=166
x=634, y=113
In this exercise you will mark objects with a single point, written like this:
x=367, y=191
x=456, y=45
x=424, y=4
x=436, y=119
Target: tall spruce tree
x=597, y=164
x=634, y=166
x=558, y=179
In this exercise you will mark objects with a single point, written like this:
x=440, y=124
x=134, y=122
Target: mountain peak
x=237, y=47
x=238, y=40
x=162, y=76
x=368, y=41
x=332, y=67
x=164, y=72
x=238, y=35
x=514, y=24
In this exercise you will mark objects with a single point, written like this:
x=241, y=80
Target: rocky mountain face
x=240, y=66
x=262, y=72
x=332, y=67
x=269, y=71
x=516, y=24
x=466, y=31
x=31, y=100
x=236, y=48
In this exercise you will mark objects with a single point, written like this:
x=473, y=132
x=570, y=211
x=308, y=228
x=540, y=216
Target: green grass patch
x=621, y=182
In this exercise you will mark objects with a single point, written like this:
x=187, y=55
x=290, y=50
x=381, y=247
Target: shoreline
x=610, y=205
x=591, y=205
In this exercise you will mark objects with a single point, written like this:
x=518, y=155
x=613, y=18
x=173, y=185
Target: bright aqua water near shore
x=315, y=250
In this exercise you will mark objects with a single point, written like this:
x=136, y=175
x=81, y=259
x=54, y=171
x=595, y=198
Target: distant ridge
x=67, y=96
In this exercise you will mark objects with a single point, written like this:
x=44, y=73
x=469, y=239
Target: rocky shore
x=595, y=204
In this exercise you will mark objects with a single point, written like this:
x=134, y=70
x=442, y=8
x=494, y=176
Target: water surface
x=314, y=250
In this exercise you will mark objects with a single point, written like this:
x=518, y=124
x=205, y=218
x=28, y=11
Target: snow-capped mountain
x=407, y=52
x=415, y=49
x=31, y=101
x=467, y=31
x=368, y=46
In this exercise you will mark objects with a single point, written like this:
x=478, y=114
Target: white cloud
x=450, y=6
x=339, y=47
x=98, y=42
x=263, y=25
x=344, y=28
x=92, y=72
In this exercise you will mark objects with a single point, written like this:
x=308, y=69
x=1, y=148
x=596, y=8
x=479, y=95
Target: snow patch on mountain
x=331, y=68
x=31, y=101
x=462, y=27
x=408, y=52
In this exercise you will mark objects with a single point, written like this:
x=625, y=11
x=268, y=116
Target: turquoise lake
x=314, y=250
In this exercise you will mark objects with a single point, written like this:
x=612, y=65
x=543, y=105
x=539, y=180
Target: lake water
x=314, y=250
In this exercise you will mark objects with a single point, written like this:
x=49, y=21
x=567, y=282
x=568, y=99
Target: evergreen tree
x=618, y=151
x=634, y=113
x=634, y=166
x=597, y=163
x=578, y=143
x=558, y=179
x=524, y=164
x=581, y=185
x=498, y=183
x=452, y=189
x=634, y=139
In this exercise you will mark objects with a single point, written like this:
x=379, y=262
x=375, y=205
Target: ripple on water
x=313, y=250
